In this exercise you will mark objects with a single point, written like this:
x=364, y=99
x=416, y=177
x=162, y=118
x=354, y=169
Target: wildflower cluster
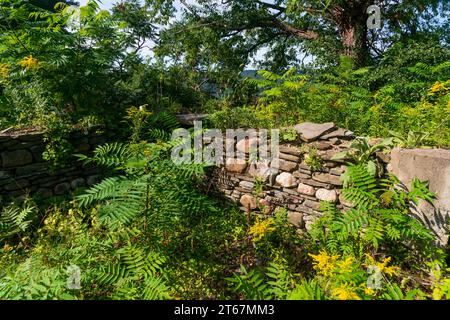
x=345, y=278
x=261, y=228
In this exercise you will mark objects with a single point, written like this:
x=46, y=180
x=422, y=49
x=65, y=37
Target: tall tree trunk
x=354, y=42
x=351, y=23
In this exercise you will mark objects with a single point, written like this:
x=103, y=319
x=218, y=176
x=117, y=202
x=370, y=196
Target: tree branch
x=291, y=30
x=272, y=6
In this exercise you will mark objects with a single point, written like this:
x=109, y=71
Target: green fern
x=14, y=219
x=307, y=290
x=110, y=155
x=381, y=216
x=250, y=285
x=135, y=275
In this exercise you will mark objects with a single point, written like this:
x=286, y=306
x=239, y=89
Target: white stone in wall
x=326, y=195
x=286, y=180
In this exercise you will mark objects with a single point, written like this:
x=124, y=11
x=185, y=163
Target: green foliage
x=307, y=290
x=150, y=229
x=313, y=160
x=363, y=152
x=133, y=266
x=251, y=285
x=404, y=102
x=289, y=135
x=379, y=218
x=14, y=220
x=275, y=283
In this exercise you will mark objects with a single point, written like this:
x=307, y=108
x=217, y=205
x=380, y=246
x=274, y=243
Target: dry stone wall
x=299, y=188
x=295, y=185
x=22, y=169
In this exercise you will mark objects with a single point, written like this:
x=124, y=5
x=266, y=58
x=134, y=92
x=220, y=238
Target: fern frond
x=155, y=289
x=250, y=284
x=109, y=154
x=14, y=220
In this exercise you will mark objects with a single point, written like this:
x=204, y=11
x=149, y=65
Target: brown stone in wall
x=326, y=195
x=287, y=165
x=312, y=204
x=329, y=154
x=31, y=169
x=330, y=164
x=260, y=170
x=248, y=202
x=236, y=165
x=305, y=189
x=303, y=166
x=339, y=133
x=16, y=185
x=338, y=171
x=244, y=177
x=289, y=157
x=327, y=178
x=292, y=150
x=62, y=188
x=301, y=175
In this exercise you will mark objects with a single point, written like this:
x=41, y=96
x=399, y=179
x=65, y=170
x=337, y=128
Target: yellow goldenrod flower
x=4, y=70
x=345, y=292
x=7, y=248
x=29, y=62
x=436, y=87
x=440, y=87
x=346, y=265
x=383, y=266
x=325, y=264
x=367, y=291
x=261, y=228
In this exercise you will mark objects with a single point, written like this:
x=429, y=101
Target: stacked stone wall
x=24, y=171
